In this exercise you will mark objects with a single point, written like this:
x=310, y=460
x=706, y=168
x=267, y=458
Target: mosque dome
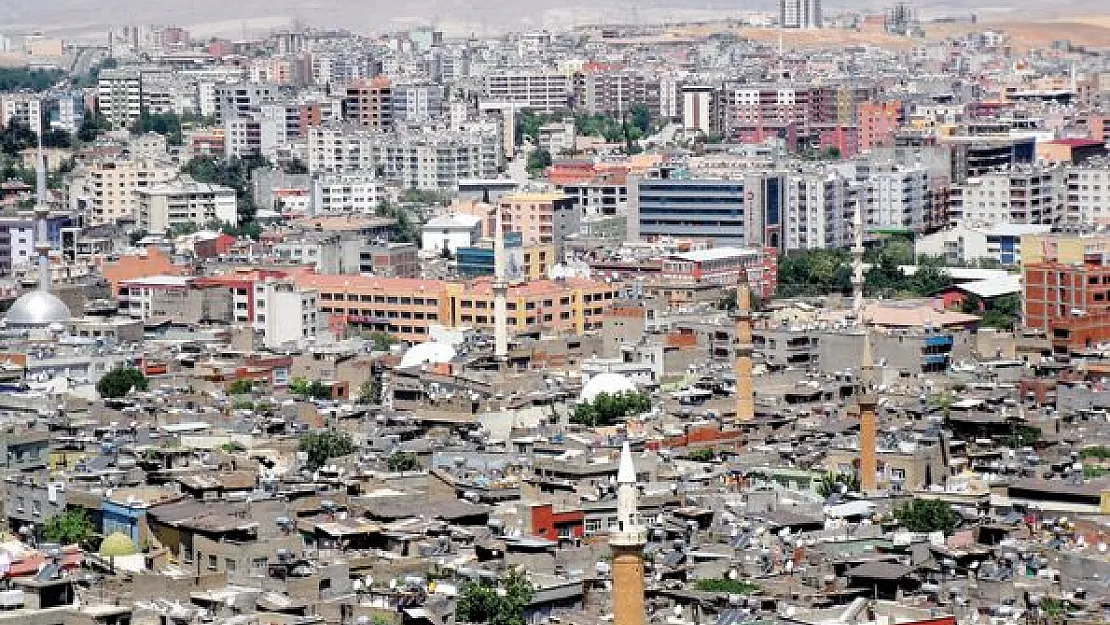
x=37, y=309
x=610, y=383
x=117, y=544
x=430, y=353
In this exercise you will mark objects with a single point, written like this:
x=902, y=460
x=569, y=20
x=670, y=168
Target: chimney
x=745, y=397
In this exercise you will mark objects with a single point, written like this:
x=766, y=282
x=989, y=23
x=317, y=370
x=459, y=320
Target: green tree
x=609, y=409
x=701, y=455
x=726, y=586
x=309, y=390
x=166, y=124
x=382, y=341
x=833, y=482
x=240, y=387
x=502, y=604
x=642, y=118
x=370, y=392
x=927, y=515
x=407, y=229
x=119, y=382
x=232, y=447
x=324, y=445
x=93, y=125
x=808, y=273
x=539, y=160
x=229, y=172
x=71, y=527
x=401, y=461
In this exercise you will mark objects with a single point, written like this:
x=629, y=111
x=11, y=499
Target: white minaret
x=500, y=293
x=628, y=500
x=857, y=263
x=42, y=213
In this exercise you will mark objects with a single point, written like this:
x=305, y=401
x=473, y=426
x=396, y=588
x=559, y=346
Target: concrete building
x=1027, y=195
x=701, y=108
x=450, y=232
x=616, y=91
x=241, y=99
x=963, y=244
x=353, y=192
x=542, y=91
x=415, y=102
x=285, y=313
x=106, y=191
x=800, y=13
x=185, y=201
x=24, y=109
x=119, y=96
x=422, y=159
x=1087, y=196
x=539, y=217
x=369, y=103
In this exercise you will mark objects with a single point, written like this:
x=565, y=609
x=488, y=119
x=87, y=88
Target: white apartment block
x=21, y=108
x=819, y=210
x=358, y=192
x=120, y=96
x=67, y=112
x=542, y=91
x=1088, y=196
x=1030, y=195
x=423, y=160
x=107, y=190
x=253, y=135
x=185, y=201
x=896, y=197
x=285, y=314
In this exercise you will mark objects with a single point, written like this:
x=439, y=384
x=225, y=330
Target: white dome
x=430, y=353
x=37, y=309
x=611, y=383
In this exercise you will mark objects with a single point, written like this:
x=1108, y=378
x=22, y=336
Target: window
x=229, y=565
x=213, y=562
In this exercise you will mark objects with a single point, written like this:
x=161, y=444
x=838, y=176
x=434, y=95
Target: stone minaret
x=500, y=293
x=627, y=546
x=868, y=464
x=745, y=394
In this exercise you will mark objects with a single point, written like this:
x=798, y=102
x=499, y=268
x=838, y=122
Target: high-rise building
x=120, y=96
x=800, y=13
x=370, y=103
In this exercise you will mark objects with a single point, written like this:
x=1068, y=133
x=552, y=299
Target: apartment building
x=540, y=217
x=420, y=159
x=820, y=209
x=184, y=201
x=106, y=190
x=119, y=96
x=240, y=99
x=23, y=109
x=407, y=308
x=800, y=14
x=878, y=121
x=369, y=103
x=354, y=192
x=1067, y=290
x=415, y=102
x=543, y=91
x=284, y=313
x=894, y=196
x=1026, y=195
x=604, y=90
x=1087, y=195
x=66, y=111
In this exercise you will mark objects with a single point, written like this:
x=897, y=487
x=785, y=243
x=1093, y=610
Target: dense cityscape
x=794, y=318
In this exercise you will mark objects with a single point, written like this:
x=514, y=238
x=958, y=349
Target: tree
x=309, y=390
x=927, y=515
x=229, y=172
x=400, y=461
x=93, y=125
x=27, y=79
x=726, y=586
x=407, y=229
x=502, y=604
x=71, y=527
x=641, y=118
x=835, y=482
x=701, y=455
x=370, y=392
x=608, y=409
x=119, y=382
x=240, y=387
x=382, y=341
x=539, y=160
x=232, y=447
x=166, y=124
x=136, y=235
x=324, y=445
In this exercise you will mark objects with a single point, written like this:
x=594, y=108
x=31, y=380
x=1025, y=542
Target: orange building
x=407, y=308
x=151, y=262
x=370, y=103
x=878, y=121
x=533, y=215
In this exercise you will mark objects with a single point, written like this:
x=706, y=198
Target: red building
x=878, y=121
x=552, y=524
x=1070, y=302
